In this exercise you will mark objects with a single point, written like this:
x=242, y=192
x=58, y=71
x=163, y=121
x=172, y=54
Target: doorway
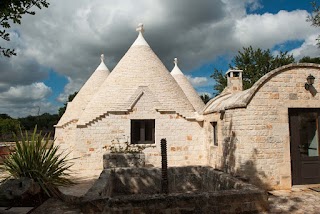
x=304, y=145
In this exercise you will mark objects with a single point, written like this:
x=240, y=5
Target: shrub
x=34, y=157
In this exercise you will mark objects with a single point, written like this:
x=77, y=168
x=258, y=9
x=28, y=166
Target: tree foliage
x=205, y=98
x=220, y=79
x=255, y=63
x=314, y=18
x=8, y=126
x=44, y=122
x=63, y=109
x=11, y=11
x=308, y=59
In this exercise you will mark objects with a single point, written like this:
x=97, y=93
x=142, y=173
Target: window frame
x=142, y=131
x=214, y=133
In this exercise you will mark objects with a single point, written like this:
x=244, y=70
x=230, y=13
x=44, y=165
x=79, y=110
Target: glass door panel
x=309, y=143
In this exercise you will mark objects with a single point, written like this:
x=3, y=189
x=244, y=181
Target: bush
x=34, y=157
x=7, y=127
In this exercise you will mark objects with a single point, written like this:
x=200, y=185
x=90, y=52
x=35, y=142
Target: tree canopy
x=63, y=109
x=314, y=18
x=205, y=98
x=255, y=63
x=8, y=126
x=11, y=11
x=308, y=59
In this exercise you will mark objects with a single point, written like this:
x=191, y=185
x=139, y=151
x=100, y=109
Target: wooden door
x=304, y=145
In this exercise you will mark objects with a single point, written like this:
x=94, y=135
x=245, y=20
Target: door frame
x=294, y=133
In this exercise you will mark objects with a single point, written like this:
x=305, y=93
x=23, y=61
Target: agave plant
x=36, y=158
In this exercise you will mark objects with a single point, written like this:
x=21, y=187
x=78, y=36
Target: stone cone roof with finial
x=85, y=94
x=187, y=88
x=139, y=72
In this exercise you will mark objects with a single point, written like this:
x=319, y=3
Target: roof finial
x=175, y=61
x=102, y=57
x=140, y=28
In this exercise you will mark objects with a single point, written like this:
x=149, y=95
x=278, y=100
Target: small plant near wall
x=35, y=158
x=122, y=145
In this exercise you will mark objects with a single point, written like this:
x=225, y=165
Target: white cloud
x=267, y=30
x=71, y=87
x=25, y=109
x=308, y=48
x=197, y=81
x=33, y=92
x=69, y=37
x=24, y=100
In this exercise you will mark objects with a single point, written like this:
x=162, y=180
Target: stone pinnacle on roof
x=186, y=87
x=176, y=70
x=102, y=66
x=140, y=40
x=140, y=28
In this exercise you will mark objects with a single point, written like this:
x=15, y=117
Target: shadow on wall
x=247, y=171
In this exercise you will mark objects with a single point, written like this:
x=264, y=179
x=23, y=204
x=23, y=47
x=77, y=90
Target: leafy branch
x=314, y=18
x=11, y=11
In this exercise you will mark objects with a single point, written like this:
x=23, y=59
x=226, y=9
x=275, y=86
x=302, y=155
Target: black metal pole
x=164, y=167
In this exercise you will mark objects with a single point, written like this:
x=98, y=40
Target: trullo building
x=268, y=134
x=139, y=102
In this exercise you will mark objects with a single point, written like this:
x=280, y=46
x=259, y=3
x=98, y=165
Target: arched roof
x=241, y=99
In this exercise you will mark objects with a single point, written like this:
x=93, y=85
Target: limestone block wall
x=254, y=141
x=185, y=138
x=65, y=137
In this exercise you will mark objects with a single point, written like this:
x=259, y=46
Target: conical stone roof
x=187, y=88
x=139, y=69
x=85, y=94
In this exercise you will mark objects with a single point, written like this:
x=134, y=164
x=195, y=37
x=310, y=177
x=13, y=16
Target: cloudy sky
x=60, y=46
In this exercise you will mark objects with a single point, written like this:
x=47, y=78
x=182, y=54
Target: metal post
x=164, y=165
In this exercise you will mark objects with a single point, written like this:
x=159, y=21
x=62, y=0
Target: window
x=215, y=133
x=142, y=131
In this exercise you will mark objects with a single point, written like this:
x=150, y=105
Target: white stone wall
x=185, y=138
x=254, y=141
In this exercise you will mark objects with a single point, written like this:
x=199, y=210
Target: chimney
x=234, y=80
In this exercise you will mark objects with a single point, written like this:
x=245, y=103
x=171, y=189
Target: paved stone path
x=303, y=201
x=297, y=200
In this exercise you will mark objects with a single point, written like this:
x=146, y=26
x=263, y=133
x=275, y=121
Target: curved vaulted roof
x=186, y=87
x=241, y=99
x=85, y=94
x=139, y=68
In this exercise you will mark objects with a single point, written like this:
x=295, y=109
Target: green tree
x=44, y=122
x=308, y=59
x=5, y=116
x=220, y=79
x=63, y=109
x=8, y=126
x=11, y=11
x=205, y=98
x=255, y=63
x=314, y=18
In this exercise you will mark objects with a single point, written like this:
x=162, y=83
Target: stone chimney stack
x=234, y=80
